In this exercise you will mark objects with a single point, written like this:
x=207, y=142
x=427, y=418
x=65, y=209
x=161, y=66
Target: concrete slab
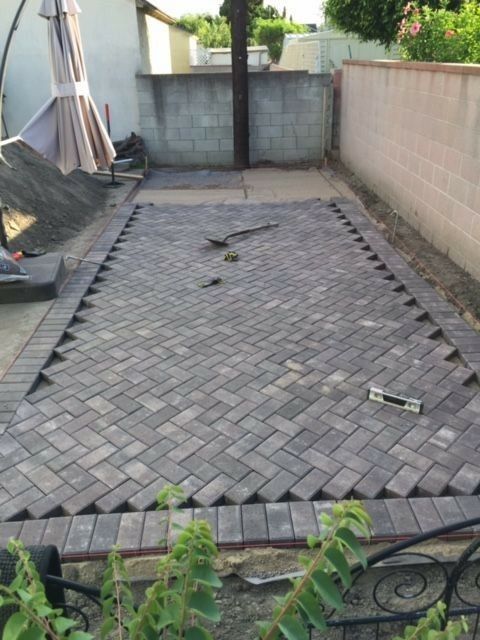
x=187, y=196
x=267, y=185
x=47, y=275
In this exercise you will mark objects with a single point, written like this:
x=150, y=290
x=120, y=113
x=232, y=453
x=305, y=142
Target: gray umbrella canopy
x=68, y=130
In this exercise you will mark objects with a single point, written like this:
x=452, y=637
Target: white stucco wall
x=112, y=52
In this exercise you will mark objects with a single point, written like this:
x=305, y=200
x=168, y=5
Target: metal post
x=113, y=184
x=3, y=65
x=241, y=134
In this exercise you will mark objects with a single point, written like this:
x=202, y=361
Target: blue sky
x=302, y=10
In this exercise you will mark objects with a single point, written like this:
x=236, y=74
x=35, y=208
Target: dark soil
x=450, y=280
x=45, y=208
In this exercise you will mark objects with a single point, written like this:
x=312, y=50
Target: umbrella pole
x=3, y=68
x=113, y=184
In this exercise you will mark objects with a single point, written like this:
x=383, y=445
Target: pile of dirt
x=43, y=208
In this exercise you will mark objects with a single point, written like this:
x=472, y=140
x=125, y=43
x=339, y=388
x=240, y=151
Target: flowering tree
x=374, y=19
x=441, y=35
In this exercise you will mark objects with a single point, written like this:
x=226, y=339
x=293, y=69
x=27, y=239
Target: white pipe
x=9, y=141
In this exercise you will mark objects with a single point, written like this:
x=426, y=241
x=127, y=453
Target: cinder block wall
x=411, y=132
x=186, y=120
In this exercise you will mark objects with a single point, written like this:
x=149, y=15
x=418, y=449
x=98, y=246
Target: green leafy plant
x=34, y=617
x=371, y=19
x=255, y=9
x=433, y=627
x=181, y=601
x=212, y=31
x=272, y=32
x=441, y=35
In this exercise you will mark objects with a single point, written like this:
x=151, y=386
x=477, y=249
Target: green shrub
x=440, y=35
x=272, y=32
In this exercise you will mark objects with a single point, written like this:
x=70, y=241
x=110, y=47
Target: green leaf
x=312, y=541
x=15, y=625
x=263, y=627
x=34, y=633
x=206, y=575
x=350, y=541
x=80, y=635
x=327, y=589
x=203, y=604
x=339, y=563
x=43, y=610
x=292, y=629
x=312, y=609
x=63, y=624
x=24, y=595
x=197, y=633
x=107, y=627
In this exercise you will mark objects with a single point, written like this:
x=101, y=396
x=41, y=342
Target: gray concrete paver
x=254, y=390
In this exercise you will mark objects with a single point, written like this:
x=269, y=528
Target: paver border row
x=24, y=373
x=454, y=327
x=279, y=524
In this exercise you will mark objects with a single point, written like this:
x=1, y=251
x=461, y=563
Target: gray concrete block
x=218, y=108
x=260, y=143
x=265, y=106
x=308, y=143
x=193, y=133
x=219, y=133
x=180, y=145
x=297, y=130
x=314, y=117
x=295, y=155
x=195, y=158
x=284, y=143
x=225, y=120
x=270, y=132
x=205, y=120
x=178, y=121
x=283, y=118
x=207, y=145
x=147, y=109
x=226, y=145
x=172, y=134
x=144, y=84
x=258, y=119
x=268, y=155
x=314, y=130
x=310, y=93
x=220, y=157
x=300, y=106
x=149, y=122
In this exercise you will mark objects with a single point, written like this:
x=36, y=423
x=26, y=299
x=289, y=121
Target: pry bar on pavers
x=222, y=242
x=402, y=402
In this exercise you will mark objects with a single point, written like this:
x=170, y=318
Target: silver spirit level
x=407, y=404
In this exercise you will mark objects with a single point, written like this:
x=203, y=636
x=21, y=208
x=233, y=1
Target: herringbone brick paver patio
x=253, y=390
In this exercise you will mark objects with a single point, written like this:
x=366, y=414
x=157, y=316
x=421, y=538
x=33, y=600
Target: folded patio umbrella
x=68, y=130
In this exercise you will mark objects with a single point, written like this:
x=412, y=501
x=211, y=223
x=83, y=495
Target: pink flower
x=450, y=33
x=408, y=8
x=415, y=28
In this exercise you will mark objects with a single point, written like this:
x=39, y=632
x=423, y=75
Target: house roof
x=155, y=12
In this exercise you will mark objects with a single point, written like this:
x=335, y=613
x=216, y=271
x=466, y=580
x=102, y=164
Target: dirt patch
x=450, y=280
x=45, y=208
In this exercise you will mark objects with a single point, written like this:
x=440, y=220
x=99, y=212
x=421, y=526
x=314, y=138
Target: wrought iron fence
x=400, y=584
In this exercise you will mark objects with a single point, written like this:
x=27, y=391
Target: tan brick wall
x=411, y=132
